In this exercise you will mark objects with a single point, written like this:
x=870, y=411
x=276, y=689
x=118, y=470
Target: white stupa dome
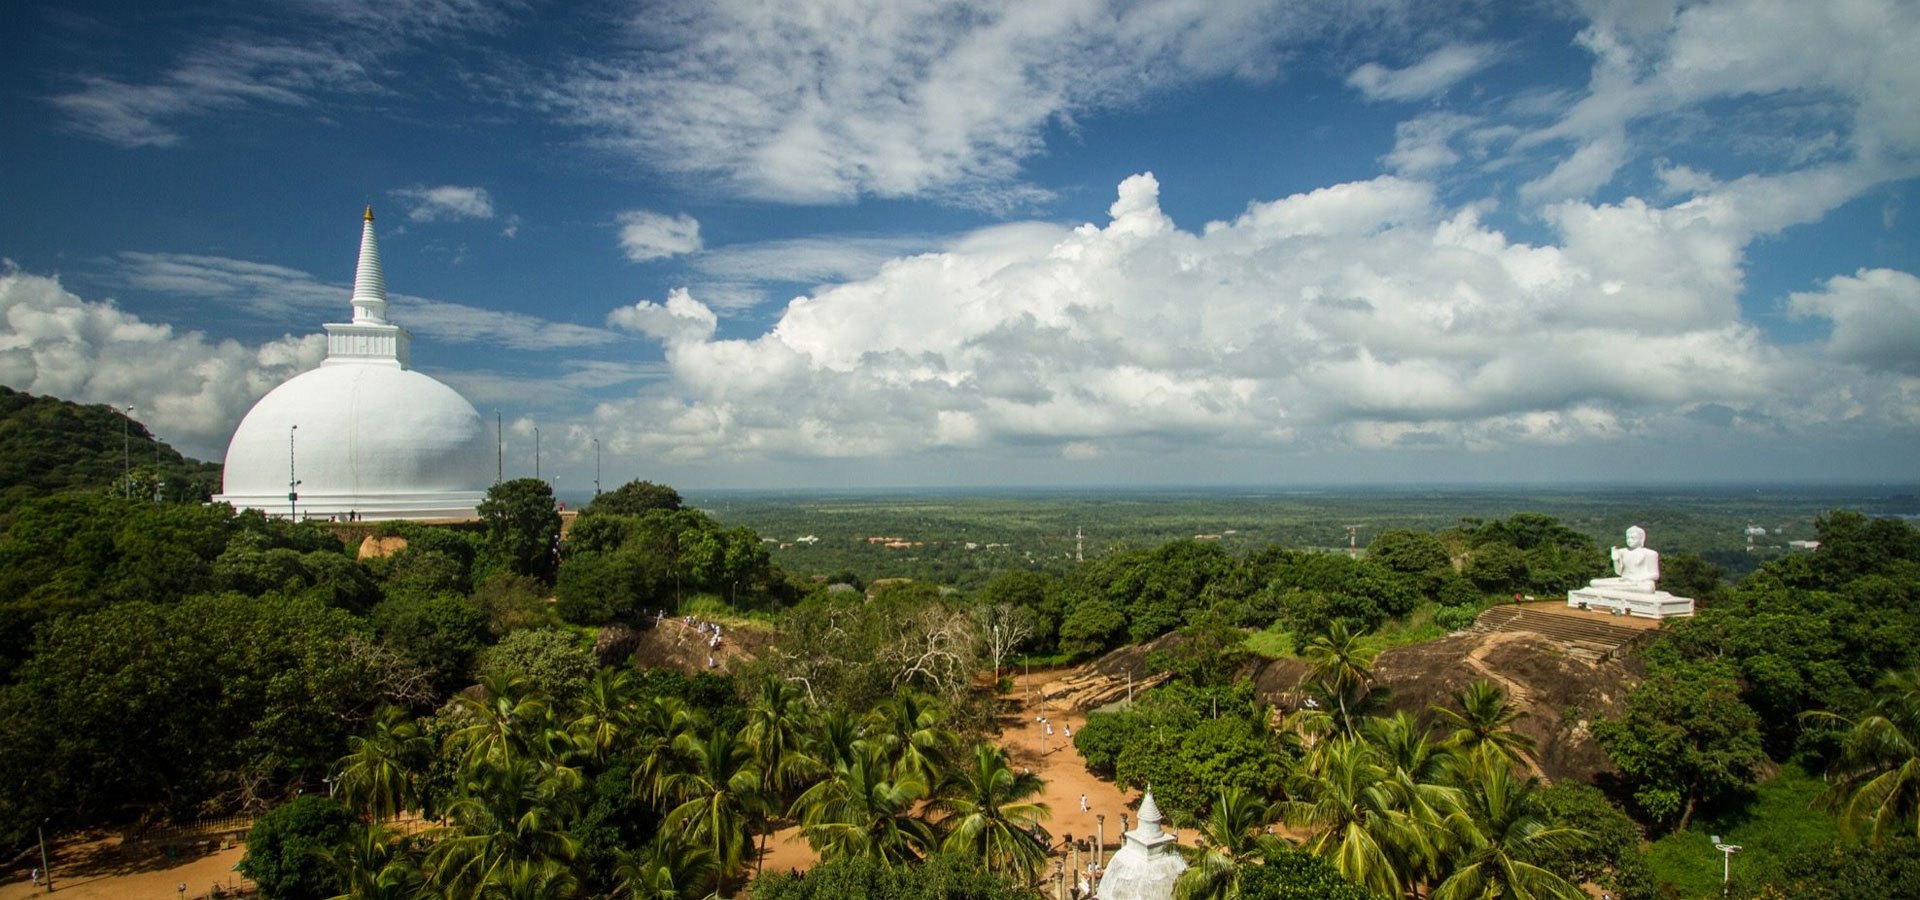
x=363, y=434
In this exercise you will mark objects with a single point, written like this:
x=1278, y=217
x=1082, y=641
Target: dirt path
x=1517, y=693
x=101, y=868
x=1061, y=767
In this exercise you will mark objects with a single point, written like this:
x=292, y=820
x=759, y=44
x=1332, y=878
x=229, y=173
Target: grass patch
x=1416, y=627
x=1272, y=643
x=1777, y=821
x=714, y=608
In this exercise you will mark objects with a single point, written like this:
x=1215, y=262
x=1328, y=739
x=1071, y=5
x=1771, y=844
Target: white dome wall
x=377, y=440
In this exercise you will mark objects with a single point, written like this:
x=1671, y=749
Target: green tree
x=1877, y=775
x=1685, y=737
x=634, y=498
x=942, y=877
x=379, y=776
x=286, y=849
x=1092, y=625
x=373, y=863
x=1358, y=818
x=168, y=706
x=550, y=658
x=778, y=720
x=1233, y=839
x=510, y=814
x=860, y=810
x=1292, y=874
x=718, y=797
x=909, y=732
x=988, y=811
x=1497, y=567
x=1188, y=767
x=1412, y=552
x=439, y=634
x=1342, y=662
x=1484, y=723
x=669, y=868
x=1494, y=835
x=523, y=526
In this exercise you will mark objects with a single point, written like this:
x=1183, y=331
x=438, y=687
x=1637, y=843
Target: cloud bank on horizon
x=1556, y=245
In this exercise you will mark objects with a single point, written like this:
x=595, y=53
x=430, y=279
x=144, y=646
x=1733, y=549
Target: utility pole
x=499, y=449
x=596, y=467
x=536, y=451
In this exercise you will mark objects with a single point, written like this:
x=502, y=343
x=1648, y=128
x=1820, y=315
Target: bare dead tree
x=1004, y=627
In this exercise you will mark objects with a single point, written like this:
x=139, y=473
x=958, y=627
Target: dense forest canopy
x=160, y=657
x=50, y=446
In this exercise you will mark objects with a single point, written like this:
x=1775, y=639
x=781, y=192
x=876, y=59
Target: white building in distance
x=363, y=435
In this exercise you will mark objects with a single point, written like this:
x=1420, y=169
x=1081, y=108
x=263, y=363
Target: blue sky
x=852, y=243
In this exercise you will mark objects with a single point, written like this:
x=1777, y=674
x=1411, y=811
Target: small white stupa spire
x=370, y=338
x=369, y=286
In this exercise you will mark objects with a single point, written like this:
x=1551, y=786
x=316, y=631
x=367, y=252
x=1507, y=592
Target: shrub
x=286, y=847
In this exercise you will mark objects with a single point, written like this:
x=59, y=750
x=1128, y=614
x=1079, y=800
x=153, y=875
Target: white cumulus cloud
x=190, y=389
x=1875, y=315
x=1362, y=315
x=646, y=235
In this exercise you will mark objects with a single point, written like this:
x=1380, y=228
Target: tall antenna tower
x=1079, y=544
x=1353, y=539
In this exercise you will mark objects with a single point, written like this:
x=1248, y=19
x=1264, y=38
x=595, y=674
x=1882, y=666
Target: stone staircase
x=1582, y=636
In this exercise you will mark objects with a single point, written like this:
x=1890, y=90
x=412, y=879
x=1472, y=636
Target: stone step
x=1580, y=635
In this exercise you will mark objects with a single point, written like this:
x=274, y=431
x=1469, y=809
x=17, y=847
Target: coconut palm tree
x=661, y=725
x=907, y=730
x=374, y=865
x=379, y=776
x=1407, y=746
x=508, y=813
x=1484, y=722
x=1343, y=796
x=778, y=722
x=603, y=715
x=865, y=809
x=1343, y=663
x=718, y=799
x=528, y=879
x=512, y=721
x=777, y=729
x=1233, y=836
x=668, y=869
x=989, y=811
x=1877, y=776
x=1497, y=828
x=835, y=740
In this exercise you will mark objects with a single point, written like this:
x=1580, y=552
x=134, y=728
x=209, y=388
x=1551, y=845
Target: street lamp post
x=1726, y=863
x=293, y=483
x=596, y=467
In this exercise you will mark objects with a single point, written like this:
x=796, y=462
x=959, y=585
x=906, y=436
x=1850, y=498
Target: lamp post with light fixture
x=293, y=482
